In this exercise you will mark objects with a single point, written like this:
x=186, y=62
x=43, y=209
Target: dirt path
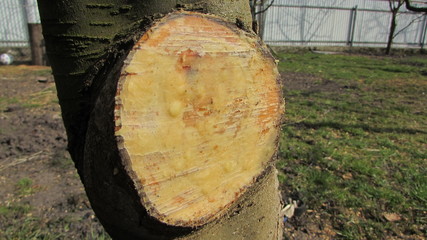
x=40, y=192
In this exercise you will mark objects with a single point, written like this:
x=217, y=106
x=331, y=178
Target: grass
x=18, y=221
x=25, y=226
x=358, y=147
x=17, y=74
x=353, y=147
x=25, y=187
x=354, y=68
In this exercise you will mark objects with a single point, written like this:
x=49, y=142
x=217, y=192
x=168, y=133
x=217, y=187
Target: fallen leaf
x=347, y=176
x=392, y=217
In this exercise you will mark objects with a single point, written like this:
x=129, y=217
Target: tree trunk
x=391, y=36
x=163, y=152
x=37, y=48
x=394, y=9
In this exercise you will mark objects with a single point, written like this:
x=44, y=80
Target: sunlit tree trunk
x=97, y=50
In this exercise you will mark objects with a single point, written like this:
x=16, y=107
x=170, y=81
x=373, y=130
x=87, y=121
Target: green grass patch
x=344, y=67
x=43, y=72
x=361, y=147
x=25, y=187
x=34, y=100
x=4, y=102
x=17, y=222
x=14, y=210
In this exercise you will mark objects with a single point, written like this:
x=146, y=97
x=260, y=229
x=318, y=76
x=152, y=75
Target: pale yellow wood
x=197, y=108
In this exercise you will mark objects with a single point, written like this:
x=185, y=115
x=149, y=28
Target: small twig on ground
x=17, y=161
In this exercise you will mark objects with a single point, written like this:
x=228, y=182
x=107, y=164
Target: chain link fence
x=362, y=23
x=309, y=23
x=15, y=16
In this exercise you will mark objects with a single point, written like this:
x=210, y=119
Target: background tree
x=395, y=6
x=258, y=8
x=394, y=9
x=97, y=47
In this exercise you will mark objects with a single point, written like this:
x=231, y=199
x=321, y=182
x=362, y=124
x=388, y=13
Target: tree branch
x=265, y=9
x=415, y=9
x=393, y=6
x=409, y=24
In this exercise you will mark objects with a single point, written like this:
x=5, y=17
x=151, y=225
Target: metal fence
x=287, y=22
x=14, y=17
x=308, y=25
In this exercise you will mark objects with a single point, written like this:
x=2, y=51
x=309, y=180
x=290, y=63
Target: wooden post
x=37, y=46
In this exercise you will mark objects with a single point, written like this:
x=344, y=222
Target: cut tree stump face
x=198, y=108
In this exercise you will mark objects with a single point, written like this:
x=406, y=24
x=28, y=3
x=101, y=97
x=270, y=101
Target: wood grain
x=198, y=107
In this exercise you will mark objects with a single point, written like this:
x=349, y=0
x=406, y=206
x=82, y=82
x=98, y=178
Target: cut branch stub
x=198, y=107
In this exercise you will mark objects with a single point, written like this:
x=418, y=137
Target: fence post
x=38, y=53
x=423, y=32
x=36, y=42
x=352, y=26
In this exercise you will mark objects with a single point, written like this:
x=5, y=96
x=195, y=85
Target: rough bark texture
x=87, y=43
x=37, y=45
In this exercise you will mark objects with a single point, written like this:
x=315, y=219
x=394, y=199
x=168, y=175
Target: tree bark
x=391, y=36
x=87, y=44
x=37, y=48
x=394, y=9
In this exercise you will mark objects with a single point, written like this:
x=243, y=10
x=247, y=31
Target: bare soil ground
x=41, y=195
